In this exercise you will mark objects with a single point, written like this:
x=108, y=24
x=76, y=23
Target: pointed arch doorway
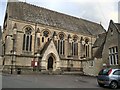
x=50, y=63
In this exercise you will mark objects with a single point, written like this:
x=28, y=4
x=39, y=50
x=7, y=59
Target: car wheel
x=101, y=85
x=113, y=85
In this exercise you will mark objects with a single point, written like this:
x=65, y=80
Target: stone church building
x=42, y=39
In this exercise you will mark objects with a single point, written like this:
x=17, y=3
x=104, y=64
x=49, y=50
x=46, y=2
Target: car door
x=119, y=77
x=116, y=75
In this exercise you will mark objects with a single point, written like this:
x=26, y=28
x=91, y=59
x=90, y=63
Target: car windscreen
x=104, y=72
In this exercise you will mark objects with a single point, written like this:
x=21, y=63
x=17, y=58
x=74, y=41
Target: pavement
x=48, y=81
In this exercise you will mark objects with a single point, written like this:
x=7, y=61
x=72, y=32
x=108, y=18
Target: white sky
x=100, y=11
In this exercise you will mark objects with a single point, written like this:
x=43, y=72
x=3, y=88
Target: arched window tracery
x=61, y=44
x=75, y=46
x=27, y=39
x=45, y=36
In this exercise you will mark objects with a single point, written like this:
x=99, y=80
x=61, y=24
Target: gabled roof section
x=35, y=14
x=42, y=51
x=99, y=43
x=44, y=47
x=118, y=26
x=100, y=40
x=99, y=51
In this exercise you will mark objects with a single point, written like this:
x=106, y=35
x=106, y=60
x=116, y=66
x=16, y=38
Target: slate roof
x=100, y=40
x=100, y=44
x=35, y=14
x=42, y=51
x=118, y=26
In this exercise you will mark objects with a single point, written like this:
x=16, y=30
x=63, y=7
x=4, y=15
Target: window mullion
x=88, y=50
x=58, y=46
x=29, y=43
x=74, y=48
x=113, y=59
x=109, y=60
x=62, y=47
x=25, y=41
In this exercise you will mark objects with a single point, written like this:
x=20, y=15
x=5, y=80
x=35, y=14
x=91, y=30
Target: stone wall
x=24, y=59
x=94, y=69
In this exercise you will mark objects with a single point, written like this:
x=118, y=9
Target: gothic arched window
x=27, y=39
x=61, y=44
x=75, y=46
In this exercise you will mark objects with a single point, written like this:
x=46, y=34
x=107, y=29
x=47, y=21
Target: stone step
x=73, y=73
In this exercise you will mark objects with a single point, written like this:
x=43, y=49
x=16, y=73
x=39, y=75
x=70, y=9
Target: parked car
x=109, y=77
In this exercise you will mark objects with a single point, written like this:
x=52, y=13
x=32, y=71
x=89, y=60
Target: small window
x=48, y=39
x=61, y=36
x=91, y=63
x=46, y=33
x=75, y=37
x=81, y=39
x=116, y=72
x=86, y=41
x=104, y=72
x=111, y=32
x=113, y=55
x=42, y=39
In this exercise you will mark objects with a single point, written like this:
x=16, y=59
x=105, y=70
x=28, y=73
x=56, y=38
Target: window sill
x=27, y=52
x=114, y=64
